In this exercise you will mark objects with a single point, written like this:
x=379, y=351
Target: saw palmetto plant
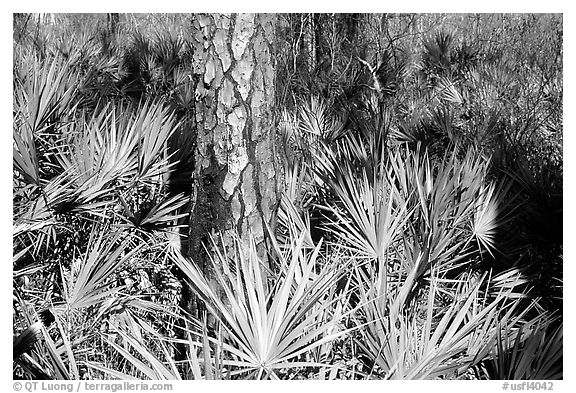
x=272, y=320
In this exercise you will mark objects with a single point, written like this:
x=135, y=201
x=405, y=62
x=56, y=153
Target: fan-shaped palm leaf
x=270, y=327
x=88, y=282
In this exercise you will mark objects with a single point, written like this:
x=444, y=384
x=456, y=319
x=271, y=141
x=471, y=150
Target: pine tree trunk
x=112, y=20
x=309, y=42
x=236, y=166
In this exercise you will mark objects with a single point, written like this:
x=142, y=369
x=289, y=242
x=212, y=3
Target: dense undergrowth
x=419, y=234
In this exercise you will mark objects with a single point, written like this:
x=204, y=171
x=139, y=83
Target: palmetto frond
x=446, y=90
x=372, y=215
x=293, y=222
x=436, y=57
x=89, y=281
x=25, y=156
x=313, y=123
x=453, y=200
x=270, y=326
x=411, y=127
x=534, y=351
x=422, y=339
x=167, y=47
x=44, y=94
x=443, y=206
x=161, y=215
x=485, y=221
x=184, y=88
x=205, y=355
x=149, y=365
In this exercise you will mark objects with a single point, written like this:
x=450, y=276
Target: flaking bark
x=236, y=168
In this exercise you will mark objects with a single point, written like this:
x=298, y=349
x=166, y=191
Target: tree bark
x=112, y=20
x=309, y=42
x=236, y=166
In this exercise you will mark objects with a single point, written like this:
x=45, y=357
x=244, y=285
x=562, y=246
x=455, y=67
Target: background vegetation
x=419, y=234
